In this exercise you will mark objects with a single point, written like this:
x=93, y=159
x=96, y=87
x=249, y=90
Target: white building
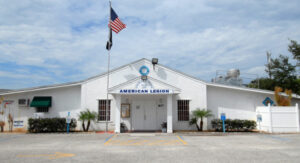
x=163, y=95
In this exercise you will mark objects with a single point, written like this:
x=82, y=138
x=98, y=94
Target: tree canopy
x=281, y=72
x=294, y=48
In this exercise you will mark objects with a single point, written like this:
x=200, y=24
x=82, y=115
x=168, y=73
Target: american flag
x=115, y=23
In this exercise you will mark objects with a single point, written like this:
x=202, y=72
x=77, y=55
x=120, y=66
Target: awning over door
x=41, y=101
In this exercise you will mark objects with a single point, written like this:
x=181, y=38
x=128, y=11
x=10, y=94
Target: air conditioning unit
x=24, y=102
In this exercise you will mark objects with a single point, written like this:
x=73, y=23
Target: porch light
x=154, y=62
x=144, y=77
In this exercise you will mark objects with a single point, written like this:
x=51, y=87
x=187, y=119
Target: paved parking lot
x=149, y=148
x=144, y=140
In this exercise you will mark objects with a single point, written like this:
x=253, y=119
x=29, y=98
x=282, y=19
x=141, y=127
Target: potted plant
x=123, y=127
x=164, y=127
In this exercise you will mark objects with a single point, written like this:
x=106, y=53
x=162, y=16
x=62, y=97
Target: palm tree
x=87, y=116
x=198, y=113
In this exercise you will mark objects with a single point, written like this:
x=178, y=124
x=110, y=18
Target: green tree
x=283, y=75
x=199, y=114
x=294, y=48
x=263, y=83
x=87, y=116
x=283, y=72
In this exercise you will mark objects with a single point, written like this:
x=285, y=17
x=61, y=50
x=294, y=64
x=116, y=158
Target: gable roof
x=41, y=88
x=65, y=84
x=121, y=67
x=4, y=90
x=144, y=59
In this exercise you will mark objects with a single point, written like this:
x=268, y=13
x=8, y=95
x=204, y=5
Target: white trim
x=40, y=88
x=104, y=121
x=247, y=89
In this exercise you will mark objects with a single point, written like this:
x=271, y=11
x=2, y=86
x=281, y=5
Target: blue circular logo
x=144, y=70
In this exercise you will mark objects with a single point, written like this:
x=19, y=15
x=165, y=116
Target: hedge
x=50, y=125
x=233, y=125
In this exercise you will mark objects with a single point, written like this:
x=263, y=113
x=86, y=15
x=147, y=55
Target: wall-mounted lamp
x=154, y=62
x=144, y=77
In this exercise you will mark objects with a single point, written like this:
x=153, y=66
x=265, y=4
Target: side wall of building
x=64, y=100
x=240, y=102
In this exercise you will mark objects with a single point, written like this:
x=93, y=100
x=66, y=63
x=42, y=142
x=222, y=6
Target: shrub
x=233, y=125
x=88, y=116
x=50, y=125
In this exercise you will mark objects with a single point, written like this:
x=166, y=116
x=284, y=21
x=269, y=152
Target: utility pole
x=269, y=64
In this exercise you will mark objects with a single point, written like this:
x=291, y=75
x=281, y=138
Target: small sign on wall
x=268, y=101
x=125, y=110
x=18, y=124
x=258, y=118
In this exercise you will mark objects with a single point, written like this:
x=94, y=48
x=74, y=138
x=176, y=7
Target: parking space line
x=180, y=138
x=109, y=139
x=156, y=142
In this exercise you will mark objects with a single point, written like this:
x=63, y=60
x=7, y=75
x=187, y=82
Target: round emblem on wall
x=144, y=70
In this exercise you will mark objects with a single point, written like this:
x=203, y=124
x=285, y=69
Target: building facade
x=141, y=96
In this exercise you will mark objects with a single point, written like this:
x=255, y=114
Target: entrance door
x=144, y=115
x=150, y=115
x=138, y=115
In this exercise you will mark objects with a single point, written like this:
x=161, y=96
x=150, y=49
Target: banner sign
x=145, y=91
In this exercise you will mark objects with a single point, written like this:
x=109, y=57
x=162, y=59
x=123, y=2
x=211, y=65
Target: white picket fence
x=278, y=119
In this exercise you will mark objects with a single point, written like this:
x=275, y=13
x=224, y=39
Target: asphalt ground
x=148, y=147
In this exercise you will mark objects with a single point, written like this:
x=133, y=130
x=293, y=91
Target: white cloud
x=67, y=38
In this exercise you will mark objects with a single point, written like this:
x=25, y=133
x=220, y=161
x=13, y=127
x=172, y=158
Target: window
x=42, y=109
x=102, y=110
x=183, y=109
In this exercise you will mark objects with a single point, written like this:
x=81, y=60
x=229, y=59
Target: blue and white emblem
x=144, y=70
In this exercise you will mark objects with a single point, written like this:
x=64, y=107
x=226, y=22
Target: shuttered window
x=102, y=110
x=183, y=110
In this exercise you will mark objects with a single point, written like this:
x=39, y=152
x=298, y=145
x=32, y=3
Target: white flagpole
x=108, y=64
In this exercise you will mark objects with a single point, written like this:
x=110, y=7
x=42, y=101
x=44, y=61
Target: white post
x=169, y=114
x=270, y=114
x=117, y=113
x=297, y=117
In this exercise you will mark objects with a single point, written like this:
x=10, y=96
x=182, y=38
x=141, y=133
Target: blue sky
x=56, y=41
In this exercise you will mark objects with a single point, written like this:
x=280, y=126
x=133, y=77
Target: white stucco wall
x=236, y=102
x=64, y=99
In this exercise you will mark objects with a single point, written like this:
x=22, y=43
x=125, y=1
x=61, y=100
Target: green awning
x=41, y=101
